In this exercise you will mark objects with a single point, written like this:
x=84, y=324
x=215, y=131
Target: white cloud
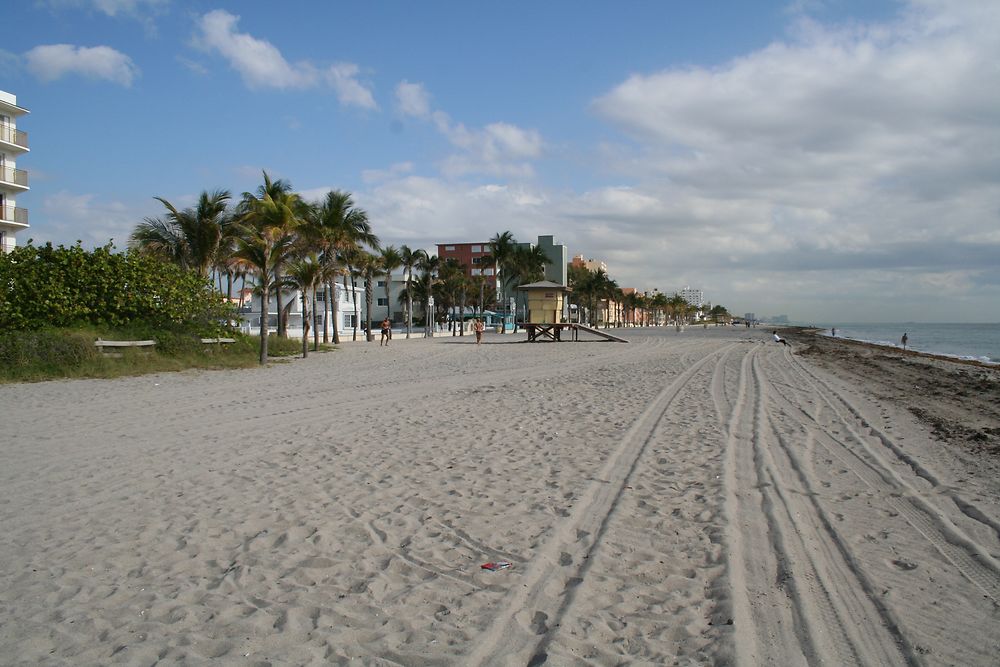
x=394, y=171
x=343, y=78
x=66, y=215
x=498, y=149
x=53, y=61
x=261, y=64
x=129, y=7
x=413, y=99
x=841, y=155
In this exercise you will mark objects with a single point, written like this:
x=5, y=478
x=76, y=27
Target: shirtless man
x=386, y=332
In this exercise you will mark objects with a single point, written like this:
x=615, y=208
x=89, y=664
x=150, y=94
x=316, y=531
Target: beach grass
x=70, y=353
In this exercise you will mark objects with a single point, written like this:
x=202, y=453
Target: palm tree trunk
x=357, y=315
x=368, y=309
x=277, y=281
x=315, y=330
x=409, y=302
x=264, y=307
x=305, y=324
x=334, y=311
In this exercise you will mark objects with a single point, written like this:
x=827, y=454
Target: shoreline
x=958, y=398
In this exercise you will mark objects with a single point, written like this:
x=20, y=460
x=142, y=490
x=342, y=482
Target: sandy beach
x=695, y=497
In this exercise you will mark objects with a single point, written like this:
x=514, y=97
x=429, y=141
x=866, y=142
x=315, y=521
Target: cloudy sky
x=832, y=160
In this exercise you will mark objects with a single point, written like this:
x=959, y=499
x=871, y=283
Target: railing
x=14, y=214
x=15, y=176
x=14, y=136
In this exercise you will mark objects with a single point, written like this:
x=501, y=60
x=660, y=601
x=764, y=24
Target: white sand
x=688, y=498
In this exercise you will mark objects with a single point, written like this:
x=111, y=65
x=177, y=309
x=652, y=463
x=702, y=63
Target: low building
x=13, y=181
x=347, y=312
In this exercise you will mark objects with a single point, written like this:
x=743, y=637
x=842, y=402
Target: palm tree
x=260, y=248
x=339, y=229
x=274, y=204
x=501, y=252
x=429, y=266
x=188, y=238
x=368, y=267
x=409, y=259
x=305, y=275
x=264, y=239
x=389, y=260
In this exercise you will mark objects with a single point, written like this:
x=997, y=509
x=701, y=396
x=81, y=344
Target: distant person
x=779, y=339
x=833, y=332
x=386, y=332
x=478, y=327
x=904, y=339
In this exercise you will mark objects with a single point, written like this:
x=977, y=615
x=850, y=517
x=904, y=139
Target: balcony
x=14, y=137
x=15, y=177
x=14, y=215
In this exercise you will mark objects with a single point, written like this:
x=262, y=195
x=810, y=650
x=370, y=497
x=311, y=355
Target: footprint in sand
x=904, y=565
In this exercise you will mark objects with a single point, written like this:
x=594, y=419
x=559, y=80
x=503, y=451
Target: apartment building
x=473, y=256
x=13, y=181
x=590, y=264
x=695, y=297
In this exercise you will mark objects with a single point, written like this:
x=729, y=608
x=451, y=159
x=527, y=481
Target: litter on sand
x=499, y=565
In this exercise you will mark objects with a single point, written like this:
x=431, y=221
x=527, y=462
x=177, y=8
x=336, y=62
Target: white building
x=13, y=181
x=292, y=302
x=695, y=297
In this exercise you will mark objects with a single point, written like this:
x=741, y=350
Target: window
x=349, y=320
x=477, y=260
x=477, y=248
x=489, y=272
x=383, y=301
x=381, y=283
x=449, y=247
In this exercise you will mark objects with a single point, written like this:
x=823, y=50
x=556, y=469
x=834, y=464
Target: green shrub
x=46, y=349
x=46, y=286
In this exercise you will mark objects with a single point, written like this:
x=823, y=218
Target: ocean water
x=965, y=341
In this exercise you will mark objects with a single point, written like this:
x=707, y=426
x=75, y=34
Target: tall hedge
x=46, y=286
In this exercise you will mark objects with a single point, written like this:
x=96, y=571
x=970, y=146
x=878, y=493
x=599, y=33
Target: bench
x=103, y=345
x=219, y=341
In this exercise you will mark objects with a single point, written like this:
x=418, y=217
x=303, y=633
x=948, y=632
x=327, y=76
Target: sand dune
x=692, y=497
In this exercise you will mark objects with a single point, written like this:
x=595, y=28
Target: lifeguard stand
x=545, y=308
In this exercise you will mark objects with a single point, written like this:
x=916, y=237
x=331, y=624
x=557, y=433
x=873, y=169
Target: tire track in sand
x=520, y=630
x=797, y=596
x=969, y=557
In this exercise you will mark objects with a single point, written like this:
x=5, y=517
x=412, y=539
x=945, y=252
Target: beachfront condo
x=13, y=181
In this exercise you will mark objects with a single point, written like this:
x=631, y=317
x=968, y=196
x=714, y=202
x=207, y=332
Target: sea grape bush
x=46, y=286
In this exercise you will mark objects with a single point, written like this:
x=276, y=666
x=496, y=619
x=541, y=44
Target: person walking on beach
x=779, y=339
x=904, y=339
x=478, y=327
x=386, y=332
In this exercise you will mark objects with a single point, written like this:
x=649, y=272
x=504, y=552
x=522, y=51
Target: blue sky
x=827, y=159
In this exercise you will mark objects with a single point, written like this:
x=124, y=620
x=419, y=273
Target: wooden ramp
x=552, y=331
x=597, y=332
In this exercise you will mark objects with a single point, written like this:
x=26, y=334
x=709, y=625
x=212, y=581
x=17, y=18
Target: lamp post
x=429, y=324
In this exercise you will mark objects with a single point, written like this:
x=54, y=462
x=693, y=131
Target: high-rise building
x=13, y=181
x=555, y=270
x=695, y=297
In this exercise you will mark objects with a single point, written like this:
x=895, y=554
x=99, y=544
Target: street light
x=429, y=324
